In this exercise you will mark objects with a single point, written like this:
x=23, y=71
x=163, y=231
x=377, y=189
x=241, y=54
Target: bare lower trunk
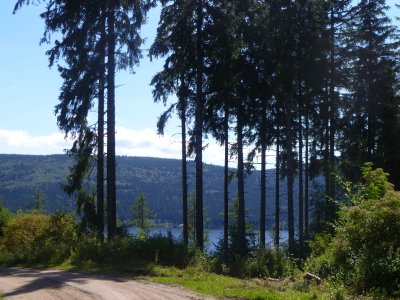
x=240, y=175
x=111, y=178
x=290, y=177
x=199, y=128
x=277, y=186
x=301, y=205
x=184, y=175
x=226, y=183
x=306, y=181
x=100, y=144
x=263, y=176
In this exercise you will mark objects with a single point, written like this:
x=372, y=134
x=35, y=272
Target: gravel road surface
x=18, y=283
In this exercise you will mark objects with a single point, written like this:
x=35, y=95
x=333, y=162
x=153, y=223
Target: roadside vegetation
x=360, y=258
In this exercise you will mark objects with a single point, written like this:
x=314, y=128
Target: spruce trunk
x=240, y=175
x=306, y=179
x=263, y=140
x=184, y=174
x=277, y=184
x=199, y=127
x=100, y=140
x=226, y=183
x=290, y=176
x=111, y=177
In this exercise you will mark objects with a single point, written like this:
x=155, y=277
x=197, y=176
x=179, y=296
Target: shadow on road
x=38, y=280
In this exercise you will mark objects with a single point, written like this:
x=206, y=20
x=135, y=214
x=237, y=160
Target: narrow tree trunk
x=332, y=107
x=184, y=172
x=326, y=206
x=277, y=184
x=240, y=175
x=199, y=127
x=300, y=77
x=111, y=178
x=100, y=138
x=301, y=205
x=371, y=113
x=306, y=179
x=142, y=215
x=290, y=176
x=226, y=182
x=263, y=141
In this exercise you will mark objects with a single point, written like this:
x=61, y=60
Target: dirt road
x=17, y=283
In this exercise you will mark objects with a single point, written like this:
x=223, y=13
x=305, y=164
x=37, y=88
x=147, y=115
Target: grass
x=220, y=286
x=205, y=283
x=211, y=284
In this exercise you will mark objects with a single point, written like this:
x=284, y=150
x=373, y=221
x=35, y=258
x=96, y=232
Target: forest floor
x=21, y=283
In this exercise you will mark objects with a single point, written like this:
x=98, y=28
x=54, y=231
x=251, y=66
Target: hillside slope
x=159, y=179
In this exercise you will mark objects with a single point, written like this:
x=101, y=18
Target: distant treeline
x=24, y=178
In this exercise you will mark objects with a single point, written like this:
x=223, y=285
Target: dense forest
x=315, y=81
x=27, y=179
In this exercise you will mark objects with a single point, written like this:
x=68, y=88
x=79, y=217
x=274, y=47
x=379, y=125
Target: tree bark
x=301, y=205
x=306, y=179
x=100, y=136
x=290, y=175
x=226, y=182
x=199, y=127
x=263, y=141
x=111, y=177
x=277, y=184
x=184, y=171
x=332, y=107
x=240, y=175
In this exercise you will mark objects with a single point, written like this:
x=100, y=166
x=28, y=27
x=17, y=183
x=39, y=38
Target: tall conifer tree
x=373, y=104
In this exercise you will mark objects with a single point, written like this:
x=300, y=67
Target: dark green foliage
x=36, y=238
x=174, y=39
x=21, y=175
x=371, y=111
x=235, y=255
x=141, y=215
x=121, y=251
x=262, y=262
x=5, y=216
x=81, y=152
x=268, y=262
x=365, y=251
x=159, y=179
x=236, y=247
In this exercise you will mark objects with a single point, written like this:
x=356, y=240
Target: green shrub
x=262, y=262
x=268, y=262
x=35, y=237
x=368, y=242
x=5, y=216
x=365, y=252
x=162, y=250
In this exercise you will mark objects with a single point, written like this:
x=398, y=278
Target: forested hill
x=24, y=176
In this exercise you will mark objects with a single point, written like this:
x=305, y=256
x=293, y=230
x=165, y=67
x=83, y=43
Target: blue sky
x=27, y=82
x=29, y=91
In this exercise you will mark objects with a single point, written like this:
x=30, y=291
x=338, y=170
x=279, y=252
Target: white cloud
x=21, y=142
x=128, y=142
x=146, y=143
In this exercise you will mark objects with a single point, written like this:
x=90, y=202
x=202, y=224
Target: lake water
x=214, y=235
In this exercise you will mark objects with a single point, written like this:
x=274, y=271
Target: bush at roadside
x=365, y=251
x=34, y=237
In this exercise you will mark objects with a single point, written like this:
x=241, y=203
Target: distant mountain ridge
x=158, y=178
